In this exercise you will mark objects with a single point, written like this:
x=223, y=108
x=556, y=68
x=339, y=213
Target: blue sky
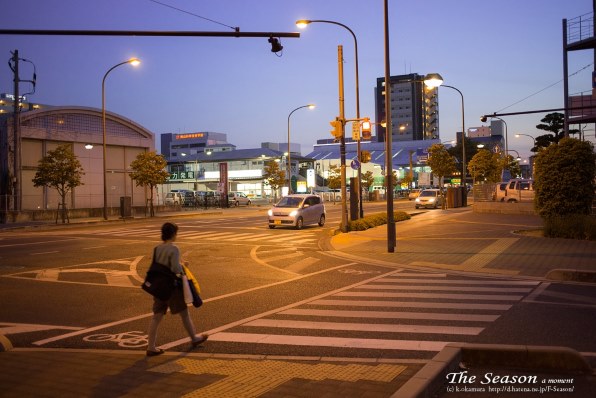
x=496, y=52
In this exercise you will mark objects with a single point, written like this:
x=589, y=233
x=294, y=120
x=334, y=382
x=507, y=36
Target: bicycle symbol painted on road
x=134, y=339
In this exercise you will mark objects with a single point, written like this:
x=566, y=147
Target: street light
x=309, y=106
x=133, y=62
x=518, y=158
x=434, y=80
x=526, y=135
x=302, y=24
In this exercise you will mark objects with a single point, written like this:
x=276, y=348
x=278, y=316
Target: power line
x=546, y=88
x=194, y=15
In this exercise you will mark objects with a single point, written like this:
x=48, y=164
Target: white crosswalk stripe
x=408, y=311
x=215, y=235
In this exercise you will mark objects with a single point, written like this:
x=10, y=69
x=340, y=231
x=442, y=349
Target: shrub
x=564, y=179
x=575, y=226
x=374, y=220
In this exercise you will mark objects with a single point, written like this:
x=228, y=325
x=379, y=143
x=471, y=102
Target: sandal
x=200, y=340
x=155, y=353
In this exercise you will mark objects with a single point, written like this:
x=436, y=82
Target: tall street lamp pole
x=526, y=135
x=289, y=164
x=133, y=62
x=435, y=80
x=391, y=235
x=302, y=24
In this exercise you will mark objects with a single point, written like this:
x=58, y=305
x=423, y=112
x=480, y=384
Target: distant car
x=297, y=210
x=238, y=198
x=429, y=198
x=414, y=194
x=173, y=198
x=500, y=192
x=519, y=190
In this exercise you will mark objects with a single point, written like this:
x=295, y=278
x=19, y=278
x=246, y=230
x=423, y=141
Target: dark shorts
x=176, y=303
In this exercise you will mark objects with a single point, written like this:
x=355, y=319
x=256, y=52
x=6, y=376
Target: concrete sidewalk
x=457, y=240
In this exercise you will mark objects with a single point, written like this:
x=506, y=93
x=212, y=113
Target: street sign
x=356, y=131
x=355, y=164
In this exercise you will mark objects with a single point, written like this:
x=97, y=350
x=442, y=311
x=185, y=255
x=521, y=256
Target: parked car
x=414, y=193
x=189, y=199
x=429, y=198
x=238, y=198
x=519, y=190
x=173, y=198
x=297, y=210
x=500, y=192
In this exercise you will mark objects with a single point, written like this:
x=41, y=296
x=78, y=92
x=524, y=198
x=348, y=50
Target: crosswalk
x=213, y=235
x=405, y=311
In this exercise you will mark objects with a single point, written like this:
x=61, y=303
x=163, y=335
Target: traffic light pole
x=342, y=142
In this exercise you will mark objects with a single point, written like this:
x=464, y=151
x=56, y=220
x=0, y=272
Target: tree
x=59, y=169
x=456, y=151
x=510, y=163
x=554, y=123
x=484, y=166
x=367, y=180
x=149, y=170
x=334, y=178
x=274, y=177
x=564, y=178
x=441, y=163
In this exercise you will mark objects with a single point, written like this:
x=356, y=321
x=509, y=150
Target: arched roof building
x=44, y=129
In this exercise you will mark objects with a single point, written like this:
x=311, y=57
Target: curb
x=573, y=275
x=5, y=344
x=539, y=358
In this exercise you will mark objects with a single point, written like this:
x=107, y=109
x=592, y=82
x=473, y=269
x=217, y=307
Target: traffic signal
x=275, y=44
x=337, y=131
x=366, y=129
x=364, y=156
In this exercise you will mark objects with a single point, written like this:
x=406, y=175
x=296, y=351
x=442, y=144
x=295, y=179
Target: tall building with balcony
x=414, y=109
x=578, y=35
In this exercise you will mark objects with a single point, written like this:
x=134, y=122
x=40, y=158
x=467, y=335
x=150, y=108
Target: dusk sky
x=496, y=52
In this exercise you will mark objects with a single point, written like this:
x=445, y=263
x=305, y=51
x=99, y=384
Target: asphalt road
x=276, y=292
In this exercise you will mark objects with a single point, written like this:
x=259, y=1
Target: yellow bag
x=192, y=279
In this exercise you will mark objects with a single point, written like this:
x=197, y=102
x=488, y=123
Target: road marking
x=293, y=305
x=42, y=253
x=341, y=342
x=412, y=304
x=449, y=288
x=16, y=328
x=365, y=327
x=138, y=317
x=393, y=315
x=118, y=278
x=447, y=296
x=38, y=243
x=458, y=281
x=302, y=264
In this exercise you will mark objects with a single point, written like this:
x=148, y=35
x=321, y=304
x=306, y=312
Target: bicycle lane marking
x=138, y=317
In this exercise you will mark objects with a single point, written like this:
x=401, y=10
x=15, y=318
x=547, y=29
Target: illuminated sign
x=189, y=136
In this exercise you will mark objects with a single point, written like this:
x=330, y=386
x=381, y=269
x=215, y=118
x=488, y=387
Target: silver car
x=297, y=210
x=429, y=198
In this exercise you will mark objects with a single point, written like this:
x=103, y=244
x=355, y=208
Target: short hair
x=168, y=231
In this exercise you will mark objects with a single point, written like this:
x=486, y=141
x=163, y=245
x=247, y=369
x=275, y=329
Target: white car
x=238, y=198
x=297, y=210
x=429, y=198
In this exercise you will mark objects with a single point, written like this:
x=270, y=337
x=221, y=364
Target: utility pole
x=16, y=134
x=342, y=142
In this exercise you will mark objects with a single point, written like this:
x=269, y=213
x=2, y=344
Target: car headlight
x=270, y=212
x=431, y=200
x=293, y=213
x=418, y=200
